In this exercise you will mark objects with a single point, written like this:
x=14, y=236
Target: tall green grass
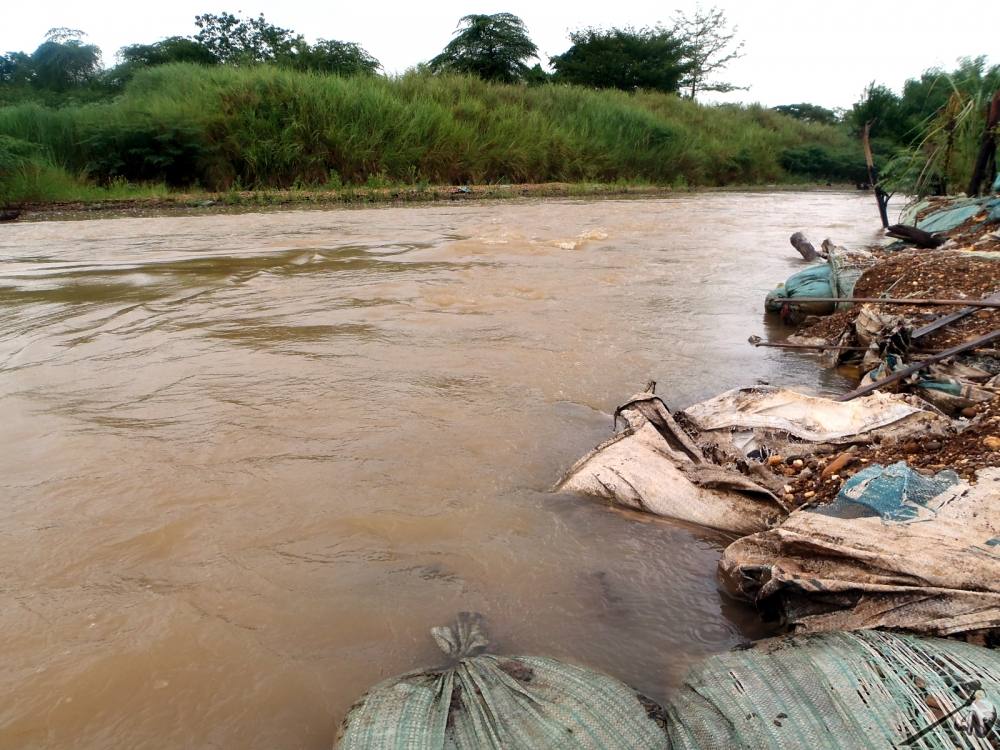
x=220, y=128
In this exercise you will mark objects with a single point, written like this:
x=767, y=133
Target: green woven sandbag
x=814, y=281
x=482, y=702
x=827, y=691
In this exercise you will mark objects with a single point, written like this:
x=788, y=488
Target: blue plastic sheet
x=958, y=212
x=951, y=217
x=994, y=208
x=896, y=493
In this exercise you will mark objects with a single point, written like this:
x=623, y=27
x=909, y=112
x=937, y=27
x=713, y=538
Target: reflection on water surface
x=248, y=460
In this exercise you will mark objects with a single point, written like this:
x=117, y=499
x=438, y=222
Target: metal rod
x=945, y=320
x=914, y=737
x=974, y=303
x=917, y=366
x=756, y=341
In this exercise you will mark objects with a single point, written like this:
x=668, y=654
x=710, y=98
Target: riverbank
x=186, y=127
x=171, y=203
x=887, y=337
x=875, y=508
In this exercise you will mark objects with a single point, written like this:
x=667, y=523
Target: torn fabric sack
x=653, y=466
x=896, y=549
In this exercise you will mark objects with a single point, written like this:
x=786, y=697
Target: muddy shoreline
x=872, y=508
x=965, y=266
x=199, y=203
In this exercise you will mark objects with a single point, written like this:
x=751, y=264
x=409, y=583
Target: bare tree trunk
x=987, y=146
x=881, y=197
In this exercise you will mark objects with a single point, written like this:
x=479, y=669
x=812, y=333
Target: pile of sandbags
x=755, y=423
x=867, y=689
x=701, y=475
x=834, y=278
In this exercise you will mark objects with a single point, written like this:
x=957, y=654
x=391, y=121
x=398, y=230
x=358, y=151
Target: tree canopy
x=880, y=106
x=246, y=41
x=15, y=68
x=626, y=59
x=332, y=56
x=170, y=50
x=928, y=138
x=64, y=60
x=236, y=40
x=493, y=47
x=711, y=46
x=810, y=113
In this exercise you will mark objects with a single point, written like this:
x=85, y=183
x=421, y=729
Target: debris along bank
x=869, y=525
x=878, y=509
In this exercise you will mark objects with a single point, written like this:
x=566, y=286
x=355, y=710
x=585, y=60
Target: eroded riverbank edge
x=199, y=203
x=872, y=509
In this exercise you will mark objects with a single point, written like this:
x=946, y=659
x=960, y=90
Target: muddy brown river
x=247, y=461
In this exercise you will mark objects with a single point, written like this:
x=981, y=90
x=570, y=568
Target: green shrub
x=143, y=150
x=264, y=127
x=824, y=163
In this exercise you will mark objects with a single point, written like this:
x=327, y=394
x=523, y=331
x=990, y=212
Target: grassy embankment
x=184, y=128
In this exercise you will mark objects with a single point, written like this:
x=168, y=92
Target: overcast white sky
x=819, y=51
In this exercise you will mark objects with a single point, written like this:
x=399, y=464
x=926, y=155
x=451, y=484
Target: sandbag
x=846, y=267
x=653, y=466
x=895, y=550
x=867, y=689
x=762, y=420
x=834, y=278
x=814, y=281
x=486, y=702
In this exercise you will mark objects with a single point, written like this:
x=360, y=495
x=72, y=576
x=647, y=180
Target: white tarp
x=880, y=560
x=653, y=466
x=810, y=418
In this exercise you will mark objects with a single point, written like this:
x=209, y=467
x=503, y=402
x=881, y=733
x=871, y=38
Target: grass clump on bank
x=188, y=127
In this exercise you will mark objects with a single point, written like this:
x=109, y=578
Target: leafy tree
x=15, y=68
x=493, y=47
x=810, y=113
x=925, y=97
x=244, y=41
x=174, y=49
x=711, y=46
x=63, y=60
x=169, y=50
x=936, y=127
x=536, y=76
x=625, y=59
x=880, y=107
x=331, y=56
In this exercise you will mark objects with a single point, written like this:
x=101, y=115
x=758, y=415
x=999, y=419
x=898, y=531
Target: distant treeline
x=244, y=104
x=495, y=47
x=220, y=128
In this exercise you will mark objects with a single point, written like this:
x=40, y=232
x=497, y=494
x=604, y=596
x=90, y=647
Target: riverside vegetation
x=244, y=105
x=227, y=128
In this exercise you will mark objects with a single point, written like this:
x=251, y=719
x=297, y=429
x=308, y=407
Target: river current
x=248, y=460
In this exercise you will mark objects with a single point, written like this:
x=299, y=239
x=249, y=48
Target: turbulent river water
x=247, y=461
